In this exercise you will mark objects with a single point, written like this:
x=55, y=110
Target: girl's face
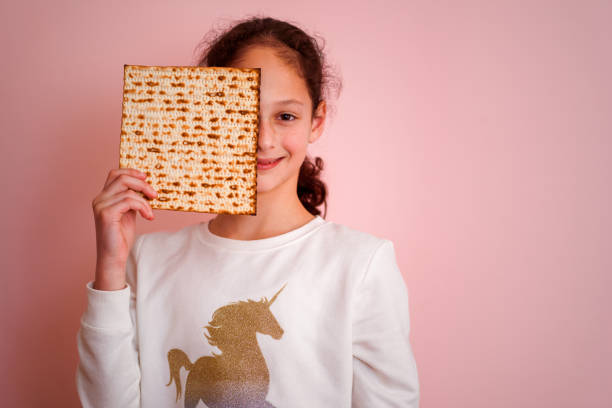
x=286, y=126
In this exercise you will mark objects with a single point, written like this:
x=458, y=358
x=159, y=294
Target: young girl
x=281, y=309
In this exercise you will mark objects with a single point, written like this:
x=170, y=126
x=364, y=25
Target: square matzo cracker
x=193, y=131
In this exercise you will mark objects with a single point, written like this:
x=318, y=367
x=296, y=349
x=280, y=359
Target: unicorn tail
x=176, y=360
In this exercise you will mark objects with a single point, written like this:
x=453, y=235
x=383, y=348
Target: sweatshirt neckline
x=209, y=238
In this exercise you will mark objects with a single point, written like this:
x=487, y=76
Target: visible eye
x=285, y=117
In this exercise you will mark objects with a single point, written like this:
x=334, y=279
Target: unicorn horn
x=274, y=298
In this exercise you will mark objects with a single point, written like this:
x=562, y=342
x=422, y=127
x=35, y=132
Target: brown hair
x=298, y=50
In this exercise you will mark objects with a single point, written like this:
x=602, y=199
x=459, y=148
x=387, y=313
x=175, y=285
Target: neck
x=278, y=211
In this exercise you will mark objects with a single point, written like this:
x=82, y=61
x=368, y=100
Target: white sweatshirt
x=315, y=317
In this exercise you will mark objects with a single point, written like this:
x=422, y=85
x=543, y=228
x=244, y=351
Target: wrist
x=109, y=285
x=109, y=277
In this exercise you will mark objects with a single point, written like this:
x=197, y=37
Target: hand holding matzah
x=115, y=211
x=192, y=133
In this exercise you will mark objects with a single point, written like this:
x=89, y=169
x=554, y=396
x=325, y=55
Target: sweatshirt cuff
x=108, y=309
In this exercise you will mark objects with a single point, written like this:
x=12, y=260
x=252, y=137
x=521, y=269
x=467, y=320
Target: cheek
x=295, y=141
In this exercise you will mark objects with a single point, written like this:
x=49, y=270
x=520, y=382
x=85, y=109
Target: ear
x=318, y=122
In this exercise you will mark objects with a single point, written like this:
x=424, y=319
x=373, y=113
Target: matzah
x=193, y=131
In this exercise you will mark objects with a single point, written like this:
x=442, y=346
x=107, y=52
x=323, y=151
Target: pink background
x=476, y=135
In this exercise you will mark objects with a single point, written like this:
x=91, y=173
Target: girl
x=281, y=309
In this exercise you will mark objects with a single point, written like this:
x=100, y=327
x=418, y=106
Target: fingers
x=122, y=182
x=114, y=173
x=125, y=189
x=114, y=207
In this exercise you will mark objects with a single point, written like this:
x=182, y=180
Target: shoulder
x=370, y=258
x=352, y=240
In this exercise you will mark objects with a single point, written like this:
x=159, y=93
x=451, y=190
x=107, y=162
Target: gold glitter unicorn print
x=239, y=376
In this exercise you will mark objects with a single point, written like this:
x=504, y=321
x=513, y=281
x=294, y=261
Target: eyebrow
x=289, y=102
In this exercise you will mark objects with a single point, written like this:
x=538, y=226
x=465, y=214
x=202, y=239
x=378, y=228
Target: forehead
x=279, y=80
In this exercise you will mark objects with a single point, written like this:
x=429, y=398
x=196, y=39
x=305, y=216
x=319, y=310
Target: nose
x=266, y=138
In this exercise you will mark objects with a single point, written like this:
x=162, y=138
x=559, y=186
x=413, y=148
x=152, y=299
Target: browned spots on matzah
x=201, y=111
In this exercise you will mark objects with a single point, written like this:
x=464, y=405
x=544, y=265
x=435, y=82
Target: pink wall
x=476, y=135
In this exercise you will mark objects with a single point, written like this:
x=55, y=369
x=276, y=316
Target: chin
x=268, y=184
x=263, y=187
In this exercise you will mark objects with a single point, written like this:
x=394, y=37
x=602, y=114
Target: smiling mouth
x=267, y=161
x=266, y=164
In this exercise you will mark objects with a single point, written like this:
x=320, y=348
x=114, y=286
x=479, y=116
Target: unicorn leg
x=191, y=401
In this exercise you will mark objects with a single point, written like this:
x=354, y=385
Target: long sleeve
x=384, y=368
x=108, y=372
